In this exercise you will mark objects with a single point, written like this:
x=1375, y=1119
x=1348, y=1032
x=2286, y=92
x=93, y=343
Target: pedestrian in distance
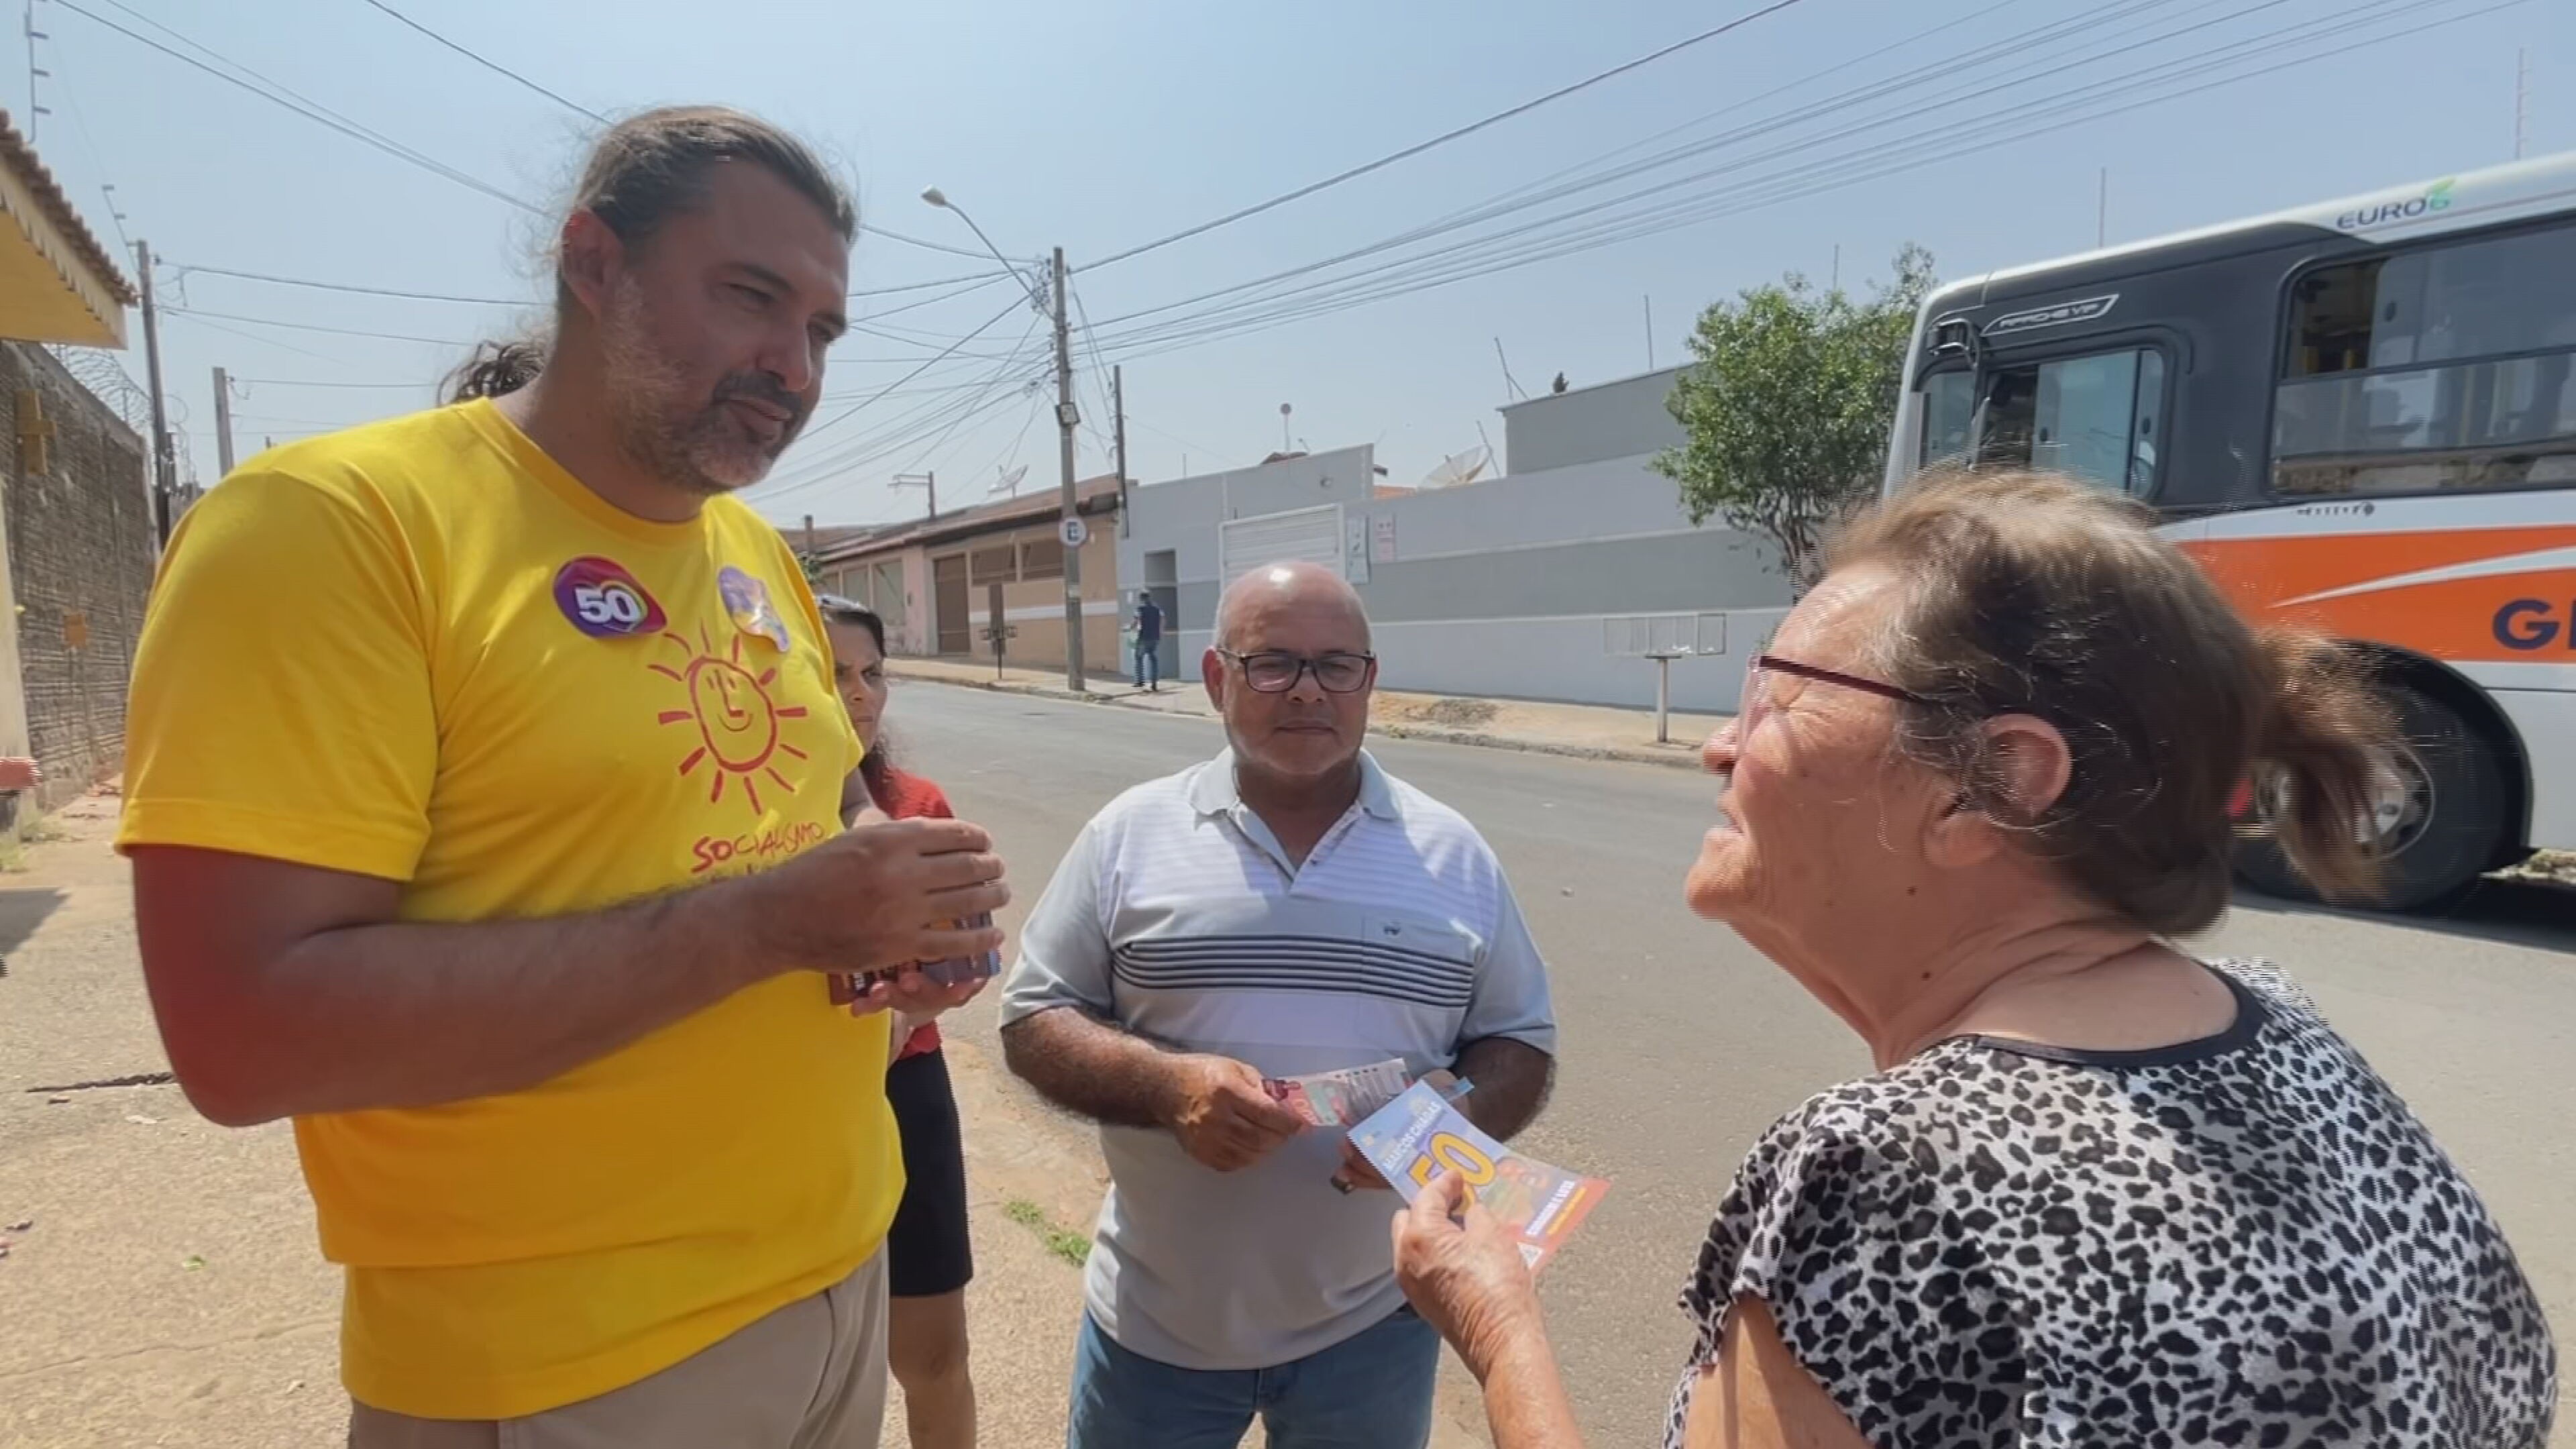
x=2100, y=1192
x=1285, y=908
x=484, y=785
x=929, y=1259
x=1149, y=643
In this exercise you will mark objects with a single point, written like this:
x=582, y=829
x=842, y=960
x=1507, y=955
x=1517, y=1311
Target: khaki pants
x=810, y=1376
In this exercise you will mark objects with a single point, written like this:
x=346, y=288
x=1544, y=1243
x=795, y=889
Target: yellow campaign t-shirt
x=422, y=651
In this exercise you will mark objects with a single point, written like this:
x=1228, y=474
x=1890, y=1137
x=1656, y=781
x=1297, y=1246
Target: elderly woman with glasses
x=2099, y=1192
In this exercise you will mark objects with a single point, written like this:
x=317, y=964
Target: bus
x=2359, y=417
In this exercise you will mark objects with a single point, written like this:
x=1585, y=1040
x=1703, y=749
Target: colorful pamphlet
x=1419, y=1136
x=849, y=986
x=1338, y=1099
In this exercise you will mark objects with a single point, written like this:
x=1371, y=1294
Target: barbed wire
x=109, y=382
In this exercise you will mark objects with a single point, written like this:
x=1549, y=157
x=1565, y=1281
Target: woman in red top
x=928, y=1261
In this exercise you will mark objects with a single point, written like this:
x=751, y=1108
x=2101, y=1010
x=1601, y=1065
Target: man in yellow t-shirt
x=483, y=797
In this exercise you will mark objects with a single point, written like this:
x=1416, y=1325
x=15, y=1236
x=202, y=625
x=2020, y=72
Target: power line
x=313, y=327
x=2025, y=45
x=982, y=278
x=288, y=100
x=80, y=122
x=837, y=419
x=923, y=419
x=1011, y=449
x=1752, y=195
x=326, y=382
x=582, y=110
x=1443, y=139
x=922, y=242
x=1539, y=192
x=909, y=427
x=250, y=336
x=1978, y=133
x=487, y=63
x=988, y=279
x=840, y=469
x=185, y=269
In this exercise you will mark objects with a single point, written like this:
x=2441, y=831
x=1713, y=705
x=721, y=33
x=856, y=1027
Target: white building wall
x=1502, y=588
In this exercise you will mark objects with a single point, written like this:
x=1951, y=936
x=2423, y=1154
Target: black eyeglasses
x=1277, y=672
x=1757, y=690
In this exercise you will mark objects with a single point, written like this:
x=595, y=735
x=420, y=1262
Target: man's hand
x=1357, y=1172
x=882, y=895
x=916, y=999
x=1463, y=1273
x=1223, y=1118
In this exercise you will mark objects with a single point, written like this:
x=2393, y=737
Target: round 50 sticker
x=603, y=600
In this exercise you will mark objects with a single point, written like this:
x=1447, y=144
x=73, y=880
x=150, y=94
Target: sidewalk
x=160, y=1280
x=1586, y=731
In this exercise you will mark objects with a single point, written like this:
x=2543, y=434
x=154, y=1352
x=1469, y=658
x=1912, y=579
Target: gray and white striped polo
x=1177, y=915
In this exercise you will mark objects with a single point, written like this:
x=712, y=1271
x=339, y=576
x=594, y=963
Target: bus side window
x=2450, y=366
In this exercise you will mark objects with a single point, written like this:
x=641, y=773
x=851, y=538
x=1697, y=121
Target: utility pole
x=164, y=467
x=1118, y=405
x=34, y=73
x=1066, y=417
x=928, y=481
x=1650, y=332
x=2521, y=103
x=224, y=425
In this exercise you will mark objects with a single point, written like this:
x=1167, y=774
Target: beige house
x=935, y=582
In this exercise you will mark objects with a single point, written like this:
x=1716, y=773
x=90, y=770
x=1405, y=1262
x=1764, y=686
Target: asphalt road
x=1680, y=1043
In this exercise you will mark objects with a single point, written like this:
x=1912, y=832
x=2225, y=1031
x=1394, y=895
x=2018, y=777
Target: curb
x=1679, y=757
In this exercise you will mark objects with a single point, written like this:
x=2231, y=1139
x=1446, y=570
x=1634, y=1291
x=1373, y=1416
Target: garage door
x=1302, y=535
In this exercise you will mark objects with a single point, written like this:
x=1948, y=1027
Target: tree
x=1787, y=409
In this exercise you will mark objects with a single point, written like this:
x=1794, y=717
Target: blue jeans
x=1149, y=663
x=1368, y=1392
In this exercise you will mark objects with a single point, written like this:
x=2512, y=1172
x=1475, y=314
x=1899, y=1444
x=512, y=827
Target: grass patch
x=41, y=830
x=1072, y=1247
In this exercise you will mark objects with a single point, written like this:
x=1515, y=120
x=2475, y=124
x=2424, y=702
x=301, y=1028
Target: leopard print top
x=2244, y=1240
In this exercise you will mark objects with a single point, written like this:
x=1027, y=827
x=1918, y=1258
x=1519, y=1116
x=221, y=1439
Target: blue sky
x=1101, y=127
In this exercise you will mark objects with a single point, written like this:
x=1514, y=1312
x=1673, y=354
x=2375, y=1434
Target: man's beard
x=704, y=450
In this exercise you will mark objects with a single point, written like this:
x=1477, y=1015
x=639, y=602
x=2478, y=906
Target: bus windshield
x=2093, y=416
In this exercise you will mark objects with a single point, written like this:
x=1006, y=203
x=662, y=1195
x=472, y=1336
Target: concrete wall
x=900, y=599
x=1035, y=606
x=1591, y=424
x=1502, y=588
x=81, y=546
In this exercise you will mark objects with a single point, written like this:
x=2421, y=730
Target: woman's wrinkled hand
x=1464, y=1274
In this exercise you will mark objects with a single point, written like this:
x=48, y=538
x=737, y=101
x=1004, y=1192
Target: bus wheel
x=2438, y=809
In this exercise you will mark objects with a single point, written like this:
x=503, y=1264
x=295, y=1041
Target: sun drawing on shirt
x=736, y=720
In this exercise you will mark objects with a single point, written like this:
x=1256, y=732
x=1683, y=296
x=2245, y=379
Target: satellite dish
x=1460, y=468
x=1009, y=482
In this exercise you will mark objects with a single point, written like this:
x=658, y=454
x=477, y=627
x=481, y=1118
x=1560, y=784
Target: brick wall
x=80, y=552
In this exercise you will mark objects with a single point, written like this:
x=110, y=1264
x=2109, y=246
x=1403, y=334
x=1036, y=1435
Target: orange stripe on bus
x=2458, y=619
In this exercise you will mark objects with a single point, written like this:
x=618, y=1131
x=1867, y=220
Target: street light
x=1069, y=528
x=939, y=198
